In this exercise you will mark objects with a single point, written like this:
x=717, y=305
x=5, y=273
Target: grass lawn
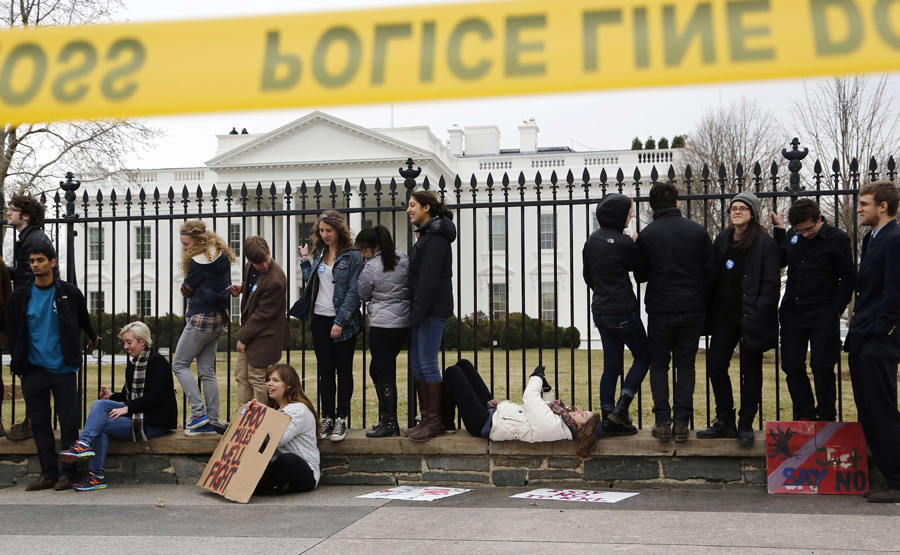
x=492, y=367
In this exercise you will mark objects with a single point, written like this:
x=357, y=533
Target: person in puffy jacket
x=608, y=256
x=534, y=421
x=745, y=311
x=206, y=261
x=430, y=272
x=384, y=284
x=330, y=301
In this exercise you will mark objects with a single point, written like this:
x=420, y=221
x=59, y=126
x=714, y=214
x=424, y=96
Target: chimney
x=528, y=133
x=457, y=140
x=482, y=140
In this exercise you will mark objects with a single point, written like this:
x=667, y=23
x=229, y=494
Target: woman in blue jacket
x=330, y=302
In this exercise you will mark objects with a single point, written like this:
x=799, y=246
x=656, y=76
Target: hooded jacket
x=386, y=292
x=207, y=284
x=431, y=271
x=608, y=256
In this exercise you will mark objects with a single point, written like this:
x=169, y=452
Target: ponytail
x=435, y=207
x=380, y=237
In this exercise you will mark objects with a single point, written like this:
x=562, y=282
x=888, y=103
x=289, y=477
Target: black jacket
x=29, y=238
x=208, y=286
x=158, y=401
x=675, y=258
x=72, y=312
x=821, y=275
x=760, y=289
x=876, y=313
x=431, y=271
x=608, y=256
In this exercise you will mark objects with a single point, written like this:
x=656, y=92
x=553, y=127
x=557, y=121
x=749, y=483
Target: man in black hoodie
x=820, y=280
x=608, y=256
x=676, y=259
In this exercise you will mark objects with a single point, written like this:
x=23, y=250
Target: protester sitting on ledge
x=144, y=409
x=295, y=466
x=533, y=421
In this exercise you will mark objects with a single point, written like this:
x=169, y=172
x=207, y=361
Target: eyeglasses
x=11, y=209
x=806, y=230
x=737, y=209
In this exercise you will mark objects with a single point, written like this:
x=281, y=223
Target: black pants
x=824, y=352
x=37, y=385
x=677, y=334
x=873, y=373
x=724, y=339
x=385, y=344
x=287, y=469
x=466, y=390
x=333, y=359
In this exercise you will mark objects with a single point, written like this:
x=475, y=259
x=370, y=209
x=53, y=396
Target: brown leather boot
x=431, y=414
x=420, y=393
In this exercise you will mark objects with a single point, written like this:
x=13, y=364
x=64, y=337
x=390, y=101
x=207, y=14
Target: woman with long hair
x=430, y=274
x=206, y=261
x=384, y=284
x=295, y=466
x=144, y=409
x=535, y=420
x=745, y=312
x=330, y=301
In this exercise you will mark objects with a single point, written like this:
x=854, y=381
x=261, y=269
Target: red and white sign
x=583, y=495
x=414, y=493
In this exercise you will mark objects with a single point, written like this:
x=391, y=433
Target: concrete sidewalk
x=485, y=520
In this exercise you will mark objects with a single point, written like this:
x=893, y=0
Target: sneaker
x=205, y=430
x=662, y=432
x=196, y=422
x=327, y=428
x=680, y=431
x=80, y=450
x=20, y=431
x=340, y=429
x=90, y=483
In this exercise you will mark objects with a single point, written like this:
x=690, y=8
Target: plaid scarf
x=561, y=410
x=136, y=391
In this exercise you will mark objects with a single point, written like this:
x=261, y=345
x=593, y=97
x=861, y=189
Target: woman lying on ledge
x=533, y=421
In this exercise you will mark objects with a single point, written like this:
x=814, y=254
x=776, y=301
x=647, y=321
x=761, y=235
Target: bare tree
x=34, y=156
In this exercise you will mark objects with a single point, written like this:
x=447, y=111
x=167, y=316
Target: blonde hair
x=334, y=219
x=205, y=242
x=139, y=330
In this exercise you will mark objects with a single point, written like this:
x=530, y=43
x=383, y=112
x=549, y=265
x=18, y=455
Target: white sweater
x=300, y=436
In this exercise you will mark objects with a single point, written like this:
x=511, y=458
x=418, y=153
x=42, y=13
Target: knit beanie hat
x=750, y=200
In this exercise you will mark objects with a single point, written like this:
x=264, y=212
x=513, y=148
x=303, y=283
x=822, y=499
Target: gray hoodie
x=387, y=293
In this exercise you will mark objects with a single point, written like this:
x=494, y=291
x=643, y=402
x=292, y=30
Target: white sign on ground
x=414, y=493
x=583, y=495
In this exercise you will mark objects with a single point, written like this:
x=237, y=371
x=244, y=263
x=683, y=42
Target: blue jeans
x=615, y=333
x=424, y=345
x=99, y=427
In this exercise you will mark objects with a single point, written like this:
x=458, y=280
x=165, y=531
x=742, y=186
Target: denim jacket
x=347, y=267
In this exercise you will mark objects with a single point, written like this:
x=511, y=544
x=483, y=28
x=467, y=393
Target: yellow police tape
x=434, y=52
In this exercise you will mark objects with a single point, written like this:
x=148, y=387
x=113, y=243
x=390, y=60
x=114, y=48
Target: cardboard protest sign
x=816, y=457
x=244, y=451
x=586, y=496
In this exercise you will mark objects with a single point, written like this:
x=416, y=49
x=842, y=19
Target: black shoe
x=745, y=437
x=885, y=496
x=611, y=429
x=680, y=431
x=662, y=432
x=219, y=427
x=388, y=428
x=722, y=427
x=619, y=415
x=873, y=490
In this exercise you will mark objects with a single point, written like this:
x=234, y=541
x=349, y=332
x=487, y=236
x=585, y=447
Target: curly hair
x=586, y=439
x=29, y=206
x=334, y=219
x=205, y=242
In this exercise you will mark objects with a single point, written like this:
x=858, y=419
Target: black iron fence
x=520, y=298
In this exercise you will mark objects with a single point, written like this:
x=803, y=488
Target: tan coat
x=264, y=328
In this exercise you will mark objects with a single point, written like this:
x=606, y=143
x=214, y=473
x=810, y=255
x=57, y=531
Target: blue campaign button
x=321, y=268
x=253, y=290
x=729, y=264
x=794, y=239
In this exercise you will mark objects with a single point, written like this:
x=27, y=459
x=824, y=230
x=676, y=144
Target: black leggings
x=333, y=358
x=724, y=339
x=287, y=469
x=385, y=344
x=466, y=390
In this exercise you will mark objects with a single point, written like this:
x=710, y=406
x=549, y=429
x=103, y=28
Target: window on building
x=498, y=233
x=236, y=309
x=548, y=303
x=143, y=302
x=97, y=301
x=548, y=231
x=234, y=238
x=498, y=308
x=142, y=243
x=95, y=243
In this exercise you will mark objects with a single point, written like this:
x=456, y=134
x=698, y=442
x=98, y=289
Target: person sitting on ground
x=534, y=421
x=144, y=409
x=295, y=466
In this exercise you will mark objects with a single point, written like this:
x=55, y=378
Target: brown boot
x=420, y=393
x=431, y=414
